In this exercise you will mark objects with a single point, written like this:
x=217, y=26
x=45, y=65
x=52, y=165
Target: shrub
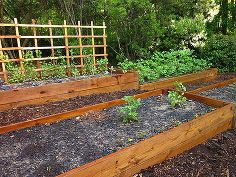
x=165, y=64
x=220, y=50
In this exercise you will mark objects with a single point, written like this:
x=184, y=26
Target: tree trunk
x=233, y=13
x=225, y=14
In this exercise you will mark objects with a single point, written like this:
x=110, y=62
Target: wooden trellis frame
x=36, y=46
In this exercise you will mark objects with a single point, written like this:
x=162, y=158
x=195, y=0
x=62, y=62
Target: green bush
x=165, y=64
x=220, y=50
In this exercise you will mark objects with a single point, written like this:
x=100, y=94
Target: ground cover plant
x=165, y=64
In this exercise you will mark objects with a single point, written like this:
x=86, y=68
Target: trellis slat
x=35, y=45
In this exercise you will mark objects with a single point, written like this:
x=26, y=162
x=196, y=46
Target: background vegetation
x=198, y=32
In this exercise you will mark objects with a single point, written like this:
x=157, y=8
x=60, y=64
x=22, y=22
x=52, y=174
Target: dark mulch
x=49, y=150
x=35, y=111
x=215, y=158
x=227, y=93
x=220, y=78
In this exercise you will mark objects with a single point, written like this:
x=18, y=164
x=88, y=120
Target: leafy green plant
x=165, y=64
x=16, y=75
x=129, y=112
x=51, y=70
x=179, y=87
x=28, y=55
x=176, y=97
x=4, y=57
x=102, y=65
x=89, y=67
x=38, y=53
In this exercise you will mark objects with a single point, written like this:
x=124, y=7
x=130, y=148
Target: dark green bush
x=220, y=50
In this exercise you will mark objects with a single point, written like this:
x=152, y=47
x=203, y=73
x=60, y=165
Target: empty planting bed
x=219, y=78
x=227, y=93
x=49, y=150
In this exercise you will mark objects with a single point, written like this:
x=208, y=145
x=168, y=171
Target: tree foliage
x=136, y=28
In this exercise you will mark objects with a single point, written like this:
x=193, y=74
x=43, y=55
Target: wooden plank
x=209, y=132
x=188, y=78
x=67, y=49
x=9, y=37
x=70, y=114
x=104, y=39
x=131, y=160
x=23, y=94
x=80, y=44
x=47, y=26
x=36, y=45
x=19, y=46
x=206, y=100
x=60, y=97
x=52, y=58
x=51, y=38
x=234, y=120
x=93, y=44
x=48, y=37
x=213, y=86
x=50, y=47
x=4, y=71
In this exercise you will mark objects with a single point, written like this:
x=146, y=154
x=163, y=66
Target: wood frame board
x=60, y=91
x=213, y=86
x=131, y=160
x=188, y=78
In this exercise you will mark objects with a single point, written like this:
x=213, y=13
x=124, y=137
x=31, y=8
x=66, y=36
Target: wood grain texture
x=75, y=88
x=72, y=113
x=131, y=160
x=206, y=100
x=213, y=86
x=60, y=97
x=188, y=78
x=64, y=38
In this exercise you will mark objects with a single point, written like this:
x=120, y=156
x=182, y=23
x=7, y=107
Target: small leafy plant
x=176, y=97
x=89, y=67
x=102, y=65
x=129, y=112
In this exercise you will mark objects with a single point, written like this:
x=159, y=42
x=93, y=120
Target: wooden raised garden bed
x=60, y=91
x=132, y=159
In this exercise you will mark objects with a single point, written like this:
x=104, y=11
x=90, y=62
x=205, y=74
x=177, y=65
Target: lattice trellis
x=96, y=50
